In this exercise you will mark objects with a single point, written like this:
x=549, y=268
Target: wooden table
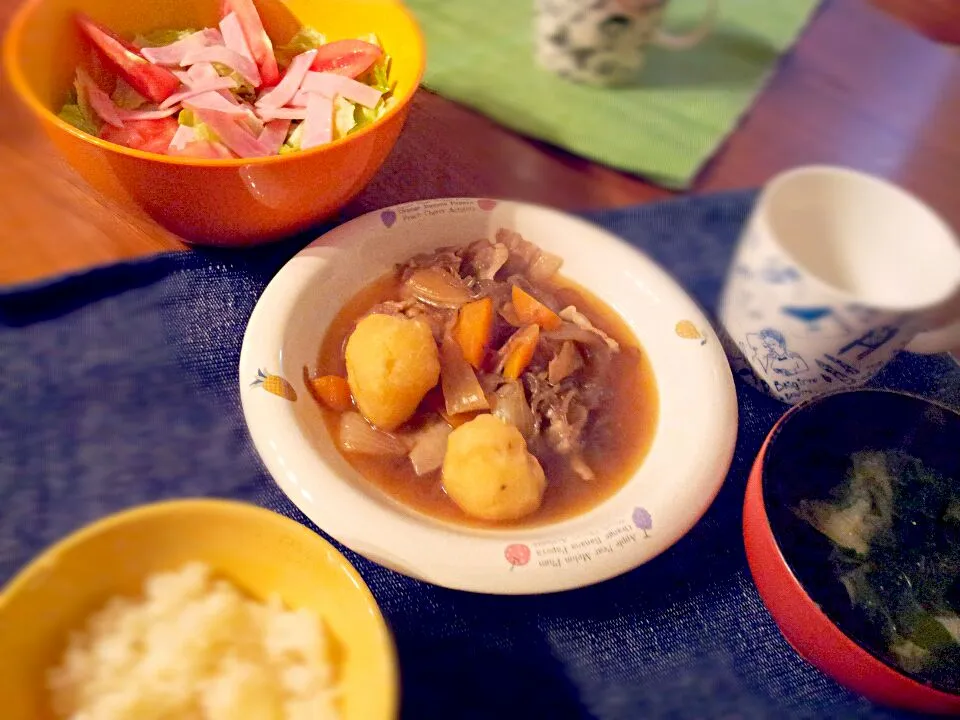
x=859, y=89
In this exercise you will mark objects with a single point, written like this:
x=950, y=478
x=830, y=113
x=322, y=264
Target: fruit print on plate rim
x=275, y=385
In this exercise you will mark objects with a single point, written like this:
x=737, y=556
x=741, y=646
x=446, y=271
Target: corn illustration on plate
x=275, y=384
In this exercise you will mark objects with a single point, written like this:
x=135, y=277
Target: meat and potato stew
x=477, y=385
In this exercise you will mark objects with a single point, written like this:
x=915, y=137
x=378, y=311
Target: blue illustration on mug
x=813, y=317
x=777, y=274
x=873, y=340
x=770, y=350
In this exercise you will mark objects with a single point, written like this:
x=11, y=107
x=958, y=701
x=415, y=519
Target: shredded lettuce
x=292, y=143
x=73, y=114
x=243, y=90
x=159, y=38
x=344, y=117
x=77, y=111
x=204, y=132
x=365, y=116
x=378, y=76
x=126, y=97
x=306, y=38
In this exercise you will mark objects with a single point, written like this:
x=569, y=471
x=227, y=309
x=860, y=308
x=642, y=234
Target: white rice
x=195, y=648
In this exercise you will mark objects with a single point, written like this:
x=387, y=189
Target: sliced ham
x=173, y=53
x=233, y=36
x=227, y=95
x=254, y=124
x=273, y=135
x=225, y=56
x=214, y=102
x=201, y=72
x=268, y=114
x=233, y=133
x=147, y=113
x=330, y=85
x=285, y=90
x=220, y=83
x=100, y=102
x=318, y=125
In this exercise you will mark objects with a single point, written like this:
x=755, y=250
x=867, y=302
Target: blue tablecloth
x=119, y=387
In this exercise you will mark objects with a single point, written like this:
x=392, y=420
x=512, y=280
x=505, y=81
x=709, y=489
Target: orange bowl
x=804, y=456
x=215, y=202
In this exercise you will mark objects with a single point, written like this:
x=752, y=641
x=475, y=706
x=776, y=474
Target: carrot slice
x=332, y=391
x=531, y=310
x=518, y=351
x=473, y=329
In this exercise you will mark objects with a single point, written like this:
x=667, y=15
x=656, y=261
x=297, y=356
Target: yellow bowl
x=215, y=202
x=260, y=551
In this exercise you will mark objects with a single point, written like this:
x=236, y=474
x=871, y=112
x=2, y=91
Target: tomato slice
x=147, y=135
x=152, y=81
x=346, y=57
x=257, y=39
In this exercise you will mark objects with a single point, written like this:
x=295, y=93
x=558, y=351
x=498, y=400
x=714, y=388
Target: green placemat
x=480, y=53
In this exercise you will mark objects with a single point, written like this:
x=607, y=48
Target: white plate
x=680, y=476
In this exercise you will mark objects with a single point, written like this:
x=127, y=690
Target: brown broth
x=618, y=437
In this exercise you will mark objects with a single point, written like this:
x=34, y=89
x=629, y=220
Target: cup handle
x=929, y=342
x=684, y=41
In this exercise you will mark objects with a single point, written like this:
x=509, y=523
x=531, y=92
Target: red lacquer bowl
x=808, y=447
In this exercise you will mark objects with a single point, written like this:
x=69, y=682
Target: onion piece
x=429, y=448
x=461, y=390
x=580, y=467
x=509, y=403
x=569, y=331
x=564, y=364
x=358, y=436
x=509, y=313
x=571, y=314
x=487, y=258
x=438, y=288
x=544, y=266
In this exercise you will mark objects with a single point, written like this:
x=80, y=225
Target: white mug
x=604, y=42
x=835, y=272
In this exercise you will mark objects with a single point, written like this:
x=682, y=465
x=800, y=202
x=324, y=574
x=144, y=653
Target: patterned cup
x=604, y=42
x=836, y=271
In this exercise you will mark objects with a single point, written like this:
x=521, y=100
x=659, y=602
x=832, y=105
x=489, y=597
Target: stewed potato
x=391, y=364
x=489, y=473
